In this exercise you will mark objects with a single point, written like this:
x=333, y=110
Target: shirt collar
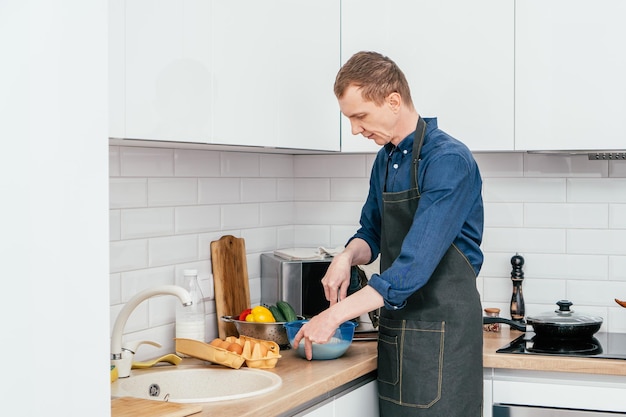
x=407, y=142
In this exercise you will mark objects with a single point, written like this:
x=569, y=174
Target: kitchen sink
x=196, y=385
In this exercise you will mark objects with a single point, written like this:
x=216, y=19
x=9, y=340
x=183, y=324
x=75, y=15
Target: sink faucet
x=122, y=357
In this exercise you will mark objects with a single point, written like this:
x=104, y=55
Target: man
x=424, y=215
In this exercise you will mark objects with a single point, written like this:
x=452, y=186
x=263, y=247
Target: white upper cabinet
x=275, y=62
x=457, y=55
x=570, y=70
x=233, y=72
x=168, y=73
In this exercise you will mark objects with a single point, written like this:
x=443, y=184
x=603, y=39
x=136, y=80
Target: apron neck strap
x=418, y=140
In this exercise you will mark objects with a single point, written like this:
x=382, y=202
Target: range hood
x=592, y=155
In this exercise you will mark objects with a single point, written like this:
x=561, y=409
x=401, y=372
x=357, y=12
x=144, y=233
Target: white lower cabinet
x=487, y=392
x=559, y=390
x=358, y=402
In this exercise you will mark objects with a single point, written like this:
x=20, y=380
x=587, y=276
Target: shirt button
x=405, y=151
x=395, y=166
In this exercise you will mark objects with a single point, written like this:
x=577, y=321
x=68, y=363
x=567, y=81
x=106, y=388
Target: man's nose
x=356, y=128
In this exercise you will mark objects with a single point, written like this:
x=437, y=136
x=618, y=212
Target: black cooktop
x=602, y=345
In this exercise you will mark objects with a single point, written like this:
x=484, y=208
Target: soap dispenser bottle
x=191, y=320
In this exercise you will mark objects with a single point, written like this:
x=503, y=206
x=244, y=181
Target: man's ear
x=394, y=100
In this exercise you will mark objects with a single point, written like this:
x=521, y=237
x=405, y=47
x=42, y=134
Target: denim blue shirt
x=450, y=211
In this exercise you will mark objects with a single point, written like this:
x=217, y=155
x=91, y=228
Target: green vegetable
x=287, y=310
x=278, y=315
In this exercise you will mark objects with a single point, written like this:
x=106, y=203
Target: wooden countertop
x=494, y=341
x=302, y=381
x=305, y=380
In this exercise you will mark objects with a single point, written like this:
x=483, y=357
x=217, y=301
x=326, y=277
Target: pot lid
x=565, y=316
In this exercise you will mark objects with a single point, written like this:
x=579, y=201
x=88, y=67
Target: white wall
x=53, y=177
x=566, y=215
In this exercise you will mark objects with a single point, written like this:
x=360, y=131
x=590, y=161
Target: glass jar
x=191, y=320
x=492, y=327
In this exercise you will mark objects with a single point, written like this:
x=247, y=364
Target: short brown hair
x=376, y=75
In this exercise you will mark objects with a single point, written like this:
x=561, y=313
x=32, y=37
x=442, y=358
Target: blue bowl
x=337, y=346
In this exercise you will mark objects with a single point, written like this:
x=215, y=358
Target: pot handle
x=517, y=325
x=227, y=319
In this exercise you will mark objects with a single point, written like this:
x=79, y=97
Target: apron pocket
x=410, y=361
x=388, y=358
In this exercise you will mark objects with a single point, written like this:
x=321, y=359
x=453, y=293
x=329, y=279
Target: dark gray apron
x=429, y=352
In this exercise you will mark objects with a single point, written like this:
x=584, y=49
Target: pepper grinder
x=517, y=299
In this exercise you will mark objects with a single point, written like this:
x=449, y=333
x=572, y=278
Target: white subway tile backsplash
x=546, y=165
x=128, y=192
x=337, y=166
x=311, y=236
x=497, y=264
x=194, y=219
x=497, y=290
x=173, y=250
x=513, y=240
x=524, y=190
x=311, y=189
x=262, y=239
x=127, y=255
x=617, y=270
x=606, y=190
x=240, y=216
x=115, y=289
x=594, y=293
x=494, y=165
x=139, y=223
x=349, y=189
x=339, y=234
x=565, y=266
x=114, y=225
x=238, y=164
x=504, y=215
x=276, y=214
x=322, y=212
x=196, y=163
x=114, y=161
x=617, y=169
x=133, y=282
x=146, y=162
x=219, y=190
x=162, y=310
x=544, y=291
x=617, y=216
x=172, y=191
x=597, y=242
x=285, y=189
x=562, y=215
x=274, y=166
x=258, y=190
x=565, y=214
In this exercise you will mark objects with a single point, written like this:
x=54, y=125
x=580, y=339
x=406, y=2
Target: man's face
x=368, y=119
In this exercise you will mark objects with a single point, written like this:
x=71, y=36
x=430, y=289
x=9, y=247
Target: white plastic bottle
x=191, y=320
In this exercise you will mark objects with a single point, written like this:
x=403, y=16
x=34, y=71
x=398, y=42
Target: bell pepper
x=244, y=313
x=261, y=314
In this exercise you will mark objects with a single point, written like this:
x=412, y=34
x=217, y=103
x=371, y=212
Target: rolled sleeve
x=383, y=288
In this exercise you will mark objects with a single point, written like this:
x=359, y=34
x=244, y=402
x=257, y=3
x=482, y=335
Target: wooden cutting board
x=230, y=276
x=138, y=407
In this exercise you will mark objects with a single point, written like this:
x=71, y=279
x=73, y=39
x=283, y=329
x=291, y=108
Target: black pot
x=562, y=324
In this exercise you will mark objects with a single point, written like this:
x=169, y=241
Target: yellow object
x=256, y=353
x=262, y=314
x=170, y=358
x=114, y=374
